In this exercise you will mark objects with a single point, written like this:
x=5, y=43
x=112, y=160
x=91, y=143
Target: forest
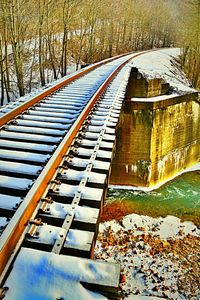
x=41, y=39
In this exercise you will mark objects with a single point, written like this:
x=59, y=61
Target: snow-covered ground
x=158, y=256
x=163, y=64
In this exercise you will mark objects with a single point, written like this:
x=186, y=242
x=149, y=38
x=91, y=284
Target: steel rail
x=17, y=225
x=7, y=117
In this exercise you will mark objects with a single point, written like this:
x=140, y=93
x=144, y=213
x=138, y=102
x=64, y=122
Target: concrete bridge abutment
x=157, y=137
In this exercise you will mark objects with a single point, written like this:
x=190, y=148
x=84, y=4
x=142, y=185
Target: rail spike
x=48, y=135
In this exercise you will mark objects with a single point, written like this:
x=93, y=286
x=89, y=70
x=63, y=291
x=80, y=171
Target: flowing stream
x=179, y=197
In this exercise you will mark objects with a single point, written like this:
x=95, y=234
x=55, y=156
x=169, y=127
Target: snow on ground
x=162, y=64
x=158, y=256
x=135, y=297
x=164, y=228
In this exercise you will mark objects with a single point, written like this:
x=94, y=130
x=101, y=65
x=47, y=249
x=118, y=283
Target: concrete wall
x=141, y=87
x=155, y=140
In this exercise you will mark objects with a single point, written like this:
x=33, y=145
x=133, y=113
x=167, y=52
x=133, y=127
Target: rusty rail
x=24, y=106
x=17, y=225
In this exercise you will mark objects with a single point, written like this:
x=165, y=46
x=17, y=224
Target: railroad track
x=55, y=157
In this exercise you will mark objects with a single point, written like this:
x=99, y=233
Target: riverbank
x=158, y=256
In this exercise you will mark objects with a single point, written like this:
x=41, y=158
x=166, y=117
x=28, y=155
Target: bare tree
x=39, y=39
x=191, y=41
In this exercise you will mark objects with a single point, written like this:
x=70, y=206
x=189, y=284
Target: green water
x=179, y=197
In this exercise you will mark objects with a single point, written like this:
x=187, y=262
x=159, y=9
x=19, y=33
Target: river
x=179, y=197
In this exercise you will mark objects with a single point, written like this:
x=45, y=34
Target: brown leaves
x=114, y=211
x=122, y=278
x=182, y=257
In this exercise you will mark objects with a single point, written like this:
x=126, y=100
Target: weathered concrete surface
x=138, y=86
x=156, y=140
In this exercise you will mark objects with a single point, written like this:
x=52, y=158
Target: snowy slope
x=163, y=64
